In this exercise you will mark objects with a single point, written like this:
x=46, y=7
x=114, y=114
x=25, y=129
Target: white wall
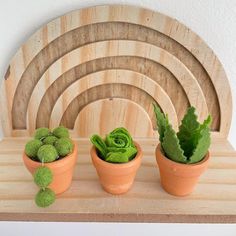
x=214, y=21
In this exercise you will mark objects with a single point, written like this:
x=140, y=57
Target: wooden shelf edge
x=125, y=218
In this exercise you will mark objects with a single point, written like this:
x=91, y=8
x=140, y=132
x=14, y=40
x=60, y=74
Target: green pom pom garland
x=43, y=176
x=47, y=153
x=41, y=133
x=50, y=140
x=61, y=132
x=32, y=147
x=64, y=146
x=47, y=147
x=45, y=197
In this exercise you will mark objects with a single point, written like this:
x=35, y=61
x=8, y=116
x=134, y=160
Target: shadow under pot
x=176, y=178
x=116, y=178
x=62, y=170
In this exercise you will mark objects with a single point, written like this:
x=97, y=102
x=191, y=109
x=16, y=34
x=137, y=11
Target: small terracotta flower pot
x=62, y=170
x=176, y=178
x=116, y=178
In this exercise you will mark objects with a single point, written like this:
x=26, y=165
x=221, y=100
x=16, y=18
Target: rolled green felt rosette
x=118, y=146
x=119, y=138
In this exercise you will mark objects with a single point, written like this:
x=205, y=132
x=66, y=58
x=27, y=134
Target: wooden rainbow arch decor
x=97, y=68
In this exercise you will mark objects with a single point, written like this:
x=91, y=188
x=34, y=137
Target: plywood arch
x=102, y=23
x=114, y=77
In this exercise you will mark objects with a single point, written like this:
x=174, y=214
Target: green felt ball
x=61, y=132
x=64, y=146
x=41, y=133
x=32, y=147
x=43, y=176
x=50, y=140
x=45, y=197
x=47, y=153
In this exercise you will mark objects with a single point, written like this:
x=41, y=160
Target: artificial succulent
x=190, y=144
x=47, y=147
x=118, y=146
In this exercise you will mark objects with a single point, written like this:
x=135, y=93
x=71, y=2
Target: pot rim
x=138, y=156
x=182, y=165
x=54, y=164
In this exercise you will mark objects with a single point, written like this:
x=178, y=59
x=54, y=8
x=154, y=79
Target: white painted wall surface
x=213, y=20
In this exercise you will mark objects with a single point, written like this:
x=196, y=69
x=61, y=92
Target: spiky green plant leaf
x=203, y=142
x=188, y=131
x=172, y=147
x=162, y=121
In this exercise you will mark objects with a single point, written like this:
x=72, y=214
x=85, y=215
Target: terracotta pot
x=116, y=178
x=176, y=178
x=62, y=170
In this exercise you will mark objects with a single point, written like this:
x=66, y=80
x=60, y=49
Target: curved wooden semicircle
x=102, y=118
x=181, y=73
x=156, y=29
x=115, y=90
x=108, y=77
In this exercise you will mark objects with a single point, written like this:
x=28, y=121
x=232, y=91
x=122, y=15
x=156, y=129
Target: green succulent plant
x=32, y=147
x=192, y=141
x=64, y=146
x=118, y=146
x=47, y=147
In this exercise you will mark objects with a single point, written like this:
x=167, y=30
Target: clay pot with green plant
x=116, y=159
x=183, y=156
x=50, y=157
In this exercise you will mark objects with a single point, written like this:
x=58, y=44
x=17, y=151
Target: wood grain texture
x=212, y=201
x=48, y=55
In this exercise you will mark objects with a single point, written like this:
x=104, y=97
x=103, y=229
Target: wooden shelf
x=213, y=200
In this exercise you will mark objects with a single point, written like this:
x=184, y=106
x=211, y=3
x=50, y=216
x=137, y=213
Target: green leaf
x=162, y=121
x=172, y=147
x=203, y=142
x=100, y=145
x=187, y=132
x=121, y=155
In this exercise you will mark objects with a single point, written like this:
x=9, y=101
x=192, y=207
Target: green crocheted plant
x=118, y=146
x=192, y=141
x=47, y=147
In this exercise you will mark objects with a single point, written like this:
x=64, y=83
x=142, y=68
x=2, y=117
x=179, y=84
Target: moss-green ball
x=45, y=197
x=43, y=176
x=32, y=147
x=61, y=132
x=50, y=140
x=41, y=133
x=64, y=146
x=47, y=153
